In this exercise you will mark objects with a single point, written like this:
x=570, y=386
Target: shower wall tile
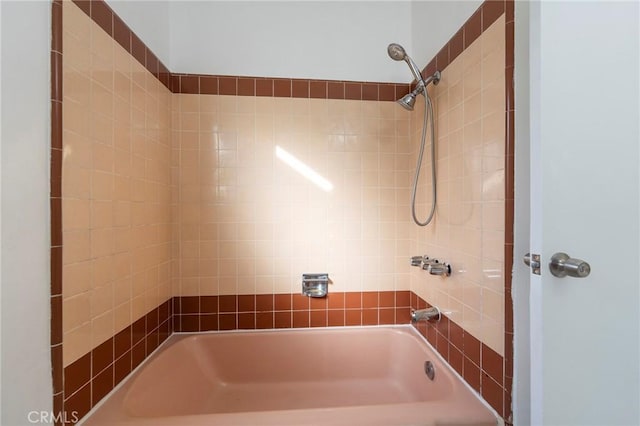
x=468, y=228
x=473, y=224
x=250, y=223
x=115, y=184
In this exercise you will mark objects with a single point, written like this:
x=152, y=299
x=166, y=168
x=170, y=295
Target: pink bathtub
x=337, y=376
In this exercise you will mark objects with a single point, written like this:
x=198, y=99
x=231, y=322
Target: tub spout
x=428, y=314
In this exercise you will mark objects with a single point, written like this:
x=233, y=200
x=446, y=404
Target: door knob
x=562, y=265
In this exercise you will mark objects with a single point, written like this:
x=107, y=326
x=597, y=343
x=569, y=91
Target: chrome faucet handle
x=427, y=262
x=443, y=269
x=416, y=260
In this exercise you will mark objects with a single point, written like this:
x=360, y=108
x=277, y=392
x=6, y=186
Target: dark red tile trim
x=211, y=313
x=507, y=412
x=109, y=363
x=79, y=403
x=285, y=88
x=57, y=372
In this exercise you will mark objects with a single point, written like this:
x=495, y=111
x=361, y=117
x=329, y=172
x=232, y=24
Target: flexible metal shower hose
x=428, y=116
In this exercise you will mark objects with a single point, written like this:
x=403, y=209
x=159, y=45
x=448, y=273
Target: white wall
x=149, y=19
x=433, y=23
x=25, y=80
x=336, y=40
x=310, y=39
x=520, y=283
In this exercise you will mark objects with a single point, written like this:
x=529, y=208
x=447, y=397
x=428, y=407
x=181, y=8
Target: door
x=584, y=200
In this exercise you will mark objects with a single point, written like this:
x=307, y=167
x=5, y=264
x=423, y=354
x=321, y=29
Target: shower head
x=409, y=100
x=397, y=53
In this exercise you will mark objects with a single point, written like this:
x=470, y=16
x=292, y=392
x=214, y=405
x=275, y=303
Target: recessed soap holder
x=315, y=285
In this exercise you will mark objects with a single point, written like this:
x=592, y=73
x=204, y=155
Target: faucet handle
x=427, y=263
x=440, y=269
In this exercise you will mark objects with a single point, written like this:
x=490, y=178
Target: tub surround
x=474, y=224
x=273, y=303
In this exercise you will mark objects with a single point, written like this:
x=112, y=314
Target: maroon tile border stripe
x=267, y=311
x=91, y=377
x=509, y=206
x=55, y=194
x=496, y=389
x=285, y=87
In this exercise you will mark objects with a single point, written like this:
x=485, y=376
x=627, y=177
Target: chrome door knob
x=562, y=265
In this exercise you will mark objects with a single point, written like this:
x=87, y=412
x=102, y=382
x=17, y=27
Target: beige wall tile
x=77, y=312
x=253, y=189
x=101, y=300
x=468, y=229
x=77, y=278
x=76, y=214
x=107, y=163
x=77, y=343
x=102, y=328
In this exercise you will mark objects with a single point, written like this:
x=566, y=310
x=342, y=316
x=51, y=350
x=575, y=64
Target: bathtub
x=329, y=376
